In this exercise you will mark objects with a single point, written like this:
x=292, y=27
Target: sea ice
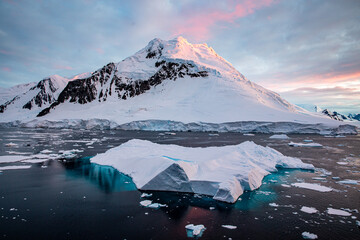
x=279, y=136
x=11, y=144
x=308, y=140
x=145, y=203
x=349, y=181
x=273, y=205
x=310, y=210
x=12, y=158
x=229, y=226
x=307, y=235
x=220, y=172
x=313, y=186
x=150, y=204
x=15, y=167
x=342, y=163
x=46, y=151
x=338, y=212
x=194, y=230
x=145, y=195
x=292, y=144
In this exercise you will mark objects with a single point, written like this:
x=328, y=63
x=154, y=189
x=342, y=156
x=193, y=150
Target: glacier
x=170, y=126
x=223, y=173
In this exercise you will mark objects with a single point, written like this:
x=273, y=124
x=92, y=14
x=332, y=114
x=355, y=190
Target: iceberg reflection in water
x=107, y=178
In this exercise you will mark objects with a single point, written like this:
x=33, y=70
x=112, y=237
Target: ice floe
x=15, y=167
x=279, y=136
x=273, y=205
x=145, y=195
x=342, y=163
x=313, y=186
x=11, y=158
x=307, y=235
x=310, y=210
x=11, y=144
x=349, y=181
x=229, y=226
x=220, y=172
x=194, y=230
x=338, y=212
x=150, y=204
x=292, y=144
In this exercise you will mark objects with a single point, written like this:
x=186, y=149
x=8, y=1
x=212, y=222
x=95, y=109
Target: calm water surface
x=80, y=200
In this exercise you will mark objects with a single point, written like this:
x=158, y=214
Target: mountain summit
x=167, y=80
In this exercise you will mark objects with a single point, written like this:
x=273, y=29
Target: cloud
x=6, y=69
x=345, y=100
x=62, y=67
x=197, y=22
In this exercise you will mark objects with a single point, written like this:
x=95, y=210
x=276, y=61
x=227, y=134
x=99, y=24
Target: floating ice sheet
x=220, y=172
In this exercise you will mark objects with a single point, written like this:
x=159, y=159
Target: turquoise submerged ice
x=221, y=172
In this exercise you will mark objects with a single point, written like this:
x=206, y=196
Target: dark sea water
x=79, y=200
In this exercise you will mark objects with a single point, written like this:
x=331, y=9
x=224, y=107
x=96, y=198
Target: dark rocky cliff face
x=106, y=81
x=334, y=115
x=45, y=95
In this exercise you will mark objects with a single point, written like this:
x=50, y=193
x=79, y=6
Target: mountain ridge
x=167, y=80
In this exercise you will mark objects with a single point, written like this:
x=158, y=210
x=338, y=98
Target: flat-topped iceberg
x=221, y=172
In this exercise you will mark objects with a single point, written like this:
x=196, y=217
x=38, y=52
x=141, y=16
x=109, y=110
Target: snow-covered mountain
x=9, y=93
x=167, y=80
x=37, y=97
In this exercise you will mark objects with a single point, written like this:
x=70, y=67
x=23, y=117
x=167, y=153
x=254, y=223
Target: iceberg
x=223, y=173
x=194, y=230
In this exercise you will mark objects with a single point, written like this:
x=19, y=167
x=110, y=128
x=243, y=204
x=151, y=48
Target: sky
x=308, y=51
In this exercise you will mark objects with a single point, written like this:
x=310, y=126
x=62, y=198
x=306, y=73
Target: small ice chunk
x=46, y=151
x=145, y=195
x=194, y=230
x=248, y=134
x=150, y=204
x=313, y=186
x=309, y=210
x=349, y=181
x=15, y=167
x=170, y=133
x=11, y=158
x=285, y=185
x=336, y=178
x=342, y=163
x=11, y=144
x=213, y=134
x=279, y=136
x=292, y=144
x=358, y=223
x=307, y=235
x=156, y=205
x=145, y=203
x=308, y=140
x=338, y=212
x=229, y=226
x=273, y=204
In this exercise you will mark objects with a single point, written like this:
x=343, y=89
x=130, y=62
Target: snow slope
x=9, y=93
x=27, y=104
x=171, y=81
x=221, y=172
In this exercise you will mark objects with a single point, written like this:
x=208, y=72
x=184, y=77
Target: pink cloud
x=6, y=69
x=198, y=24
x=2, y=51
x=99, y=50
x=62, y=67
